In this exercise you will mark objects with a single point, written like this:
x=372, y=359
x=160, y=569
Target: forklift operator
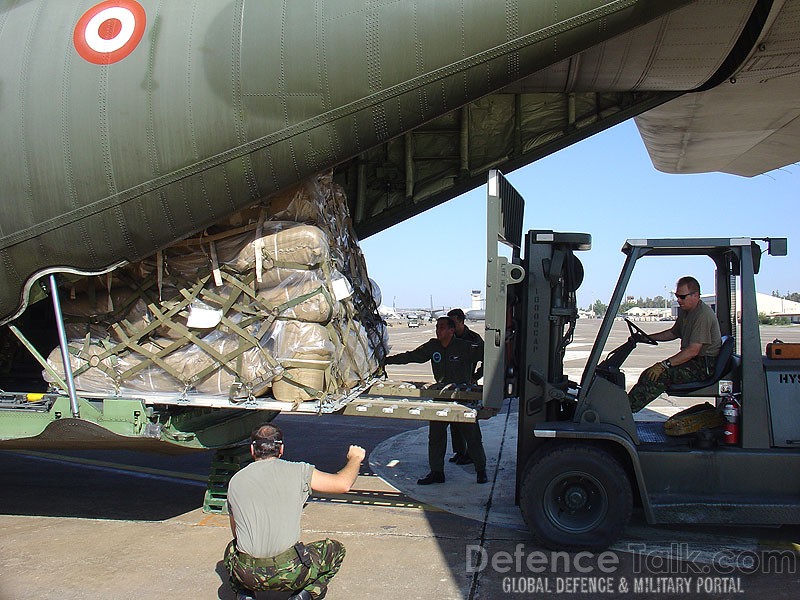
x=698, y=329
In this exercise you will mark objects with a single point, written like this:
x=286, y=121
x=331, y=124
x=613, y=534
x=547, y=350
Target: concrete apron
x=396, y=548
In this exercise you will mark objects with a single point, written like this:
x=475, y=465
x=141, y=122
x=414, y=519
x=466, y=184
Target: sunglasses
x=683, y=296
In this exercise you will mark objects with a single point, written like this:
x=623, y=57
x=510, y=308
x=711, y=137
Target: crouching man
x=265, y=502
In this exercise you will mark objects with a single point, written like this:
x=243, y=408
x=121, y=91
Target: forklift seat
x=720, y=368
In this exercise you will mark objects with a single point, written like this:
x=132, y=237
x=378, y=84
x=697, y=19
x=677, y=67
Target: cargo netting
x=274, y=301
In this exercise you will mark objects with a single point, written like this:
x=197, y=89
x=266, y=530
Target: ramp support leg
x=62, y=341
x=226, y=463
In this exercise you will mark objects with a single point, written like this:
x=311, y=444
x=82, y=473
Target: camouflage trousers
x=286, y=572
x=646, y=390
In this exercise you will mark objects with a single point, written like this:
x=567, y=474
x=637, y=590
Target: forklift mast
x=533, y=300
x=504, y=213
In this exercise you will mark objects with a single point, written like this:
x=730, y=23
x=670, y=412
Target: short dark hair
x=450, y=323
x=458, y=314
x=690, y=282
x=266, y=441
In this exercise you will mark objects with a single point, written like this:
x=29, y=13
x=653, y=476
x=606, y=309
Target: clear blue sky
x=606, y=186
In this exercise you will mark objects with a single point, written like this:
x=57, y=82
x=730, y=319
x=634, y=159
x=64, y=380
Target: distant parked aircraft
x=387, y=312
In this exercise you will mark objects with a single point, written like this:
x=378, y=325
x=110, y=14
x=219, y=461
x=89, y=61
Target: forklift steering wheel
x=635, y=329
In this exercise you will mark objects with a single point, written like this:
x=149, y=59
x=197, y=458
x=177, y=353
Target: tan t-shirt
x=266, y=500
x=699, y=326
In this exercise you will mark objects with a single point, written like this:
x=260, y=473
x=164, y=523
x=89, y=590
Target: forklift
x=583, y=462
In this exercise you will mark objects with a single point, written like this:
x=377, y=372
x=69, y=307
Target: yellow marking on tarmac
x=214, y=521
x=779, y=545
x=111, y=465
x=373, y=498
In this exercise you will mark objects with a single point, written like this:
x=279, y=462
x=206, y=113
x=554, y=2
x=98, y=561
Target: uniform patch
x=437, y=357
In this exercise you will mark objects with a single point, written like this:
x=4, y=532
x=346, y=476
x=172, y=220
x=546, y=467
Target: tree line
x=793, y=296
x=599, y=308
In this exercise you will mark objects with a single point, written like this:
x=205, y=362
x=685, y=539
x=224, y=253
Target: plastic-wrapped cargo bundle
x=304, y=350
x=362, y=338
x=237, y=310
x=215, y=364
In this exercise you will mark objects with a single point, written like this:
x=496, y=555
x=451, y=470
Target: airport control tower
x=477, y=301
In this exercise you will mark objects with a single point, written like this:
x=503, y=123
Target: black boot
x=432, y=477
x=301, y=595
x=455, y=458
x=463, y=459
x=482, y=476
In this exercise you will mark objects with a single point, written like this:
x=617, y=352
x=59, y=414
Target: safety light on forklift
x=777, y=246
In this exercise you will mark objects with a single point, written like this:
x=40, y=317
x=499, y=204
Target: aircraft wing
x=748, y=124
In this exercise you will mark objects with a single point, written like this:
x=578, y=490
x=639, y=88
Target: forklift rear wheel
x=576, y=497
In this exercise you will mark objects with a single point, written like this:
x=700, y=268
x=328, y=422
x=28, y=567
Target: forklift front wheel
x=576, y=497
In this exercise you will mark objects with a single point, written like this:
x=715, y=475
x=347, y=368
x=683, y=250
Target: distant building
x=649, y=314
x=767, y=304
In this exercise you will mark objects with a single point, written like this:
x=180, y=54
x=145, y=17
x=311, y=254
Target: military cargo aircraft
x=126, y=125
x=475, y=315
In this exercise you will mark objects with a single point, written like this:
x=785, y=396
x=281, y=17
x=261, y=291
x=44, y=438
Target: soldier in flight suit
x=460, y=456
x=265, y=502
x=698, y=329
x=452, y=362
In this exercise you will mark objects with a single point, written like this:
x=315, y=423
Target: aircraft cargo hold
x=273, y=301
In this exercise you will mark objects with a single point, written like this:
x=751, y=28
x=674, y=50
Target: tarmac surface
x=128, y=525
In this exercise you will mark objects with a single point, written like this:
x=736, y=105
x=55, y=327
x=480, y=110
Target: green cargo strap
x=244, y=285
x=95, y=360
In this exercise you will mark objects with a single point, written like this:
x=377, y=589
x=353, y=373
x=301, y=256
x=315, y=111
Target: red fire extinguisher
x=731, y=410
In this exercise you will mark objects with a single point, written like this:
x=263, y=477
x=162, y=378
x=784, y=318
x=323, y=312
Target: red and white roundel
x=109, y=31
